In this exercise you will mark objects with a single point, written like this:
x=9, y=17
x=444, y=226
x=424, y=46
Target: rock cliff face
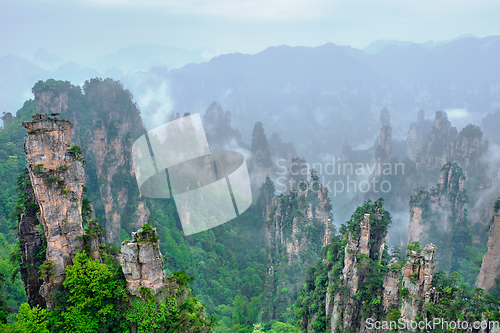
x=291, y=216
x=6, y=118
x=32, y=242
x=466, y=150
x=362, y=245
x=51, y=101
x=265, y=201
x=106, y=122
x=296, y=229
x=261, y=164
x=434, y=214
x=346, y=310
x=117, y=124
x=417, y=281
x=435, y=152
x=56, y=173
x=391, y=286
x=142, y=262
x=406, y=285
x=383, y=145
x=417, y=135
x=217, y=126
x=490, y=268
x=297, y=172
x=444, y=144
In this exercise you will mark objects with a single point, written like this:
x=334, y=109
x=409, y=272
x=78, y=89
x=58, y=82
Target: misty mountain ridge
x=380, y=44
x=328, y=76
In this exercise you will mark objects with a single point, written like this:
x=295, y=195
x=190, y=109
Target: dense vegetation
x=230, y=262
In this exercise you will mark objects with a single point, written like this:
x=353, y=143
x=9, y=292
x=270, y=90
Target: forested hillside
x=83, y=250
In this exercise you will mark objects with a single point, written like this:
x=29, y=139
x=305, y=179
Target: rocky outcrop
x=6, y=118
x=490, y=268
x=296, y=173
x=286, y=227
x=56, y=173
x=117, y=123
x=296, y=229
x=142, y=262
x=417, y=281
x=106, y=122
x=417, y=135
x=346, y=311
x=31, y=241
x=383, y=150
x=444, y=144
x=261, y=164
x=363, y=244
x=217, y=126
x=280, y=149
x=51, y=96
x=435, y=153
x=265, y=202
x=440, y=209
x=466, y=149
x=391, y=286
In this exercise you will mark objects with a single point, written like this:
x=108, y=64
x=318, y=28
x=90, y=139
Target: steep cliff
x=356, y=284
x=295, y=232
x=142, y=262
x=31, y=240
x=296, y=172
x=439, y=215
x=106, y=122
x=365, y=247
x=444, y=144
x=261, y=164
x=416, y=286
x=417, y=135
x=383, y=151
x=51, y=96
x=217, y=126
x=435, y=153
x=490, y=268
x=57, y=174
x=467, y=148
x=117, y=124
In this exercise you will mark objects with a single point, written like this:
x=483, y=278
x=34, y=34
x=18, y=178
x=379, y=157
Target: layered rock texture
x=365, y=243
x=417, y=135
x=106, y=122
x=217, y=126
x=32, y=244
x=142, y=262
x=417, y=281
x=51, y=96
x=56, y=171
x=444, y=144
x=490, y=268
x=296, y=229
x=383, y=151
x=261, y=164
x=436, y=215
x=406, y=287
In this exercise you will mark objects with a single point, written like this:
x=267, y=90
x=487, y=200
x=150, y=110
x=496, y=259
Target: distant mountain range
x=316, y=97
x=379, y=45
x=320, y=97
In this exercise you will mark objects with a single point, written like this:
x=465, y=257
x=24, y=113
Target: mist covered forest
x=375, y=178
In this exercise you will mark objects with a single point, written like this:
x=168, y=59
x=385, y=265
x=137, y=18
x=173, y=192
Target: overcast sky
x=81, y=29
